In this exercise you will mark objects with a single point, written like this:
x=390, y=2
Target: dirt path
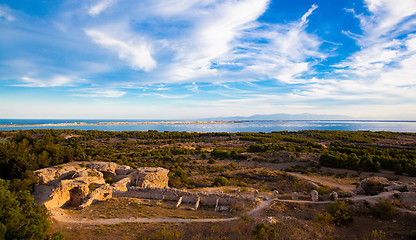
x=344, y=187
x=61, y=216
x=261, y=206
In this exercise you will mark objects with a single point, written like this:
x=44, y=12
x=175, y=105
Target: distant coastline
x=117, y=123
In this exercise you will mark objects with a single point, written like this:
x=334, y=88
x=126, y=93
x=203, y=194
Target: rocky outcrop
x=150, y=177
x=52, y=174
x=100, y=194
x=372, y=185
x=408, y=199
x=85, y=183
x=122, y=185
x=81, y=184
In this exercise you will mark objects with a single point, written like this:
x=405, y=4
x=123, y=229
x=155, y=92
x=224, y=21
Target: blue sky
x=182, y=59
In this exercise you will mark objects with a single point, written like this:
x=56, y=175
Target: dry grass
x=145, y=208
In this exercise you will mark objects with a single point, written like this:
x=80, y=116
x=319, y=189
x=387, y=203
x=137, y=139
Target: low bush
x=384, y=209
x=340, y=211
x=220, y=181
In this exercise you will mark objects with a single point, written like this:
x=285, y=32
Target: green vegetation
x=369, y=158
x=339, y=212
x=204, y=160
x=220, y=181
x=20, y=217
x=262, y=231
x=384, y=209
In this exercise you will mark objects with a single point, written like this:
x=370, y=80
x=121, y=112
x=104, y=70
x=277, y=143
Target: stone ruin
x=81, y=184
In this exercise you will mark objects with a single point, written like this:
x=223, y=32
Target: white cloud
x=383, y=69
x=214, y=35
x=100, y=6
x=286, y=53
x=380, y=43
x=56, y=81
x=167, y=96
x=135, y=51
x=5, y=13
x=100, y=93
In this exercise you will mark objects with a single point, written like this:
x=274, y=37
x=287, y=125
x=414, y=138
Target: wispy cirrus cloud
x=55, y=81
x=5, y=13
x=99, y=93
x=214, y=35
x=285, y=52
x=135, y=51
x=385, y=40
x=100, y=6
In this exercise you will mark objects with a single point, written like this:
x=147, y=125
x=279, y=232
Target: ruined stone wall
x=52, y=175
x=70, y=184
x=150, y=177
x=174, y=195
x=61, y=195
x=100, y=194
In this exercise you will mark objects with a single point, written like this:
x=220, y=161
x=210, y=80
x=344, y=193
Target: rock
x=295, y=196
x=372, y=185
x=408, y=199
x=333, y=196
x=256, y=193
x=396, y=187
x=269, y=220
x=410, y=187
x=275, y=194
x=314, y=195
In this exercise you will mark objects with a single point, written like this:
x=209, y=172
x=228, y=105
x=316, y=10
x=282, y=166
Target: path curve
x=343, y=187
x=60, y=216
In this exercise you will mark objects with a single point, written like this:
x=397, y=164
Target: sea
x=237, y=126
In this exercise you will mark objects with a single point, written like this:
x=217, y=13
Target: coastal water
x=246, y=126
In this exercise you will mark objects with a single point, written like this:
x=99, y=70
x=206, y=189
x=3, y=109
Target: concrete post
x=179, y=202
x=314, y=195
x=197, y=203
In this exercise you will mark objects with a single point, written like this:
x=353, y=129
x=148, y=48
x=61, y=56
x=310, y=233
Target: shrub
x=340, y=211
x=220, y=181
x=20, y=217
x=384, y=209
x=375, y=235
x=322, y=220
x=262, y=231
